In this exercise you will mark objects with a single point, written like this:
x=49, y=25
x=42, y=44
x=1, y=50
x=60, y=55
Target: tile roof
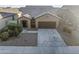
x=36, y=10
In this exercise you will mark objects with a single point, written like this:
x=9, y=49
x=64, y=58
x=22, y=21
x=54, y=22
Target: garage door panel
x=47, y=24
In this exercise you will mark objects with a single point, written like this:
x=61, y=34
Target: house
x=5, y=18
x=10, y=10
x=40, y=16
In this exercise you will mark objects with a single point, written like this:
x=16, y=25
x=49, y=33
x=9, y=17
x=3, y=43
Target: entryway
x=24, y=23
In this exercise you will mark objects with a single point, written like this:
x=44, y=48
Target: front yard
x=12, y=35
x=24, y=39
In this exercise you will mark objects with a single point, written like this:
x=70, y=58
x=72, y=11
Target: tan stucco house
x=45, y=20
x=40, y=17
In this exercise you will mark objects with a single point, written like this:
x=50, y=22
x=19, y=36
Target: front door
x=24, y=23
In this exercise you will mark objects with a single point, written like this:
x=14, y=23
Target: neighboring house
x=5, y=18
x=10, y=10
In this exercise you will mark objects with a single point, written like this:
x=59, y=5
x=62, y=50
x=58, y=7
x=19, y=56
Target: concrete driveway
x=49, y=38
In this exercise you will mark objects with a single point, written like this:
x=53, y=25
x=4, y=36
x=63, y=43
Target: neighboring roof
x=4, y=15
x=10, y=10
x=34, y=11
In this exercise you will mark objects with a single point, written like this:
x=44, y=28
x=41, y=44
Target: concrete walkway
x=49, y=41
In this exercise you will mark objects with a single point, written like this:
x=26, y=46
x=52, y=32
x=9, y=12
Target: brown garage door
x=47, y=24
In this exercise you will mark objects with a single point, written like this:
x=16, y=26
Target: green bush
x=4, y=36
x=0, y=35
x=12, y=26
x=16, y=32
x=19, y=27
x=4, y=29
x=11, y=33
x=12, y=29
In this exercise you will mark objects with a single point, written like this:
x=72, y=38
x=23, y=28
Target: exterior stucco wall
x=47, y=18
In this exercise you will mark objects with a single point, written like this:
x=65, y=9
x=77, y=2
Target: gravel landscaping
x=24, y=39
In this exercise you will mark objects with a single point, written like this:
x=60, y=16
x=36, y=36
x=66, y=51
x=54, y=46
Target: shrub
x=0, y=35
x=14, y=25
x=4, y=29
x=11, y=26
x=19, y=27
x=11, y=33
x=16, y=32
x=14, y=29
x=4, y=36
